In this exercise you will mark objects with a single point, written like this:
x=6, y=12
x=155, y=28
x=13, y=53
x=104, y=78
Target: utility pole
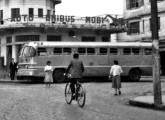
x=156, y=55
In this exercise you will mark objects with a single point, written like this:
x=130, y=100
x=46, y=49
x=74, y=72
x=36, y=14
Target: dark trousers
x=12, y=75
x=73, y=82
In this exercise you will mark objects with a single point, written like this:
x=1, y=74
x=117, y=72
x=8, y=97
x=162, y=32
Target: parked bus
x=135, y=58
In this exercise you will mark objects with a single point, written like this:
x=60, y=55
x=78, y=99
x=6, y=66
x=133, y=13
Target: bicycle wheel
x=68, y=94
x=81, y=96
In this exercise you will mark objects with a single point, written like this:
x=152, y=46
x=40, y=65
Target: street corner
x=147, y=102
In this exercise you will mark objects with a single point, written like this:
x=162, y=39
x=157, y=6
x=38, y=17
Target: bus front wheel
x=58, y=75
x=135, y=74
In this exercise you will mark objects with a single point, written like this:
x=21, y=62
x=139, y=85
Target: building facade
x=35, y=20
x=137, y=13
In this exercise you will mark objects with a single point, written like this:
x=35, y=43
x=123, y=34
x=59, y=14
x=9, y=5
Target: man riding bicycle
x=76, y=69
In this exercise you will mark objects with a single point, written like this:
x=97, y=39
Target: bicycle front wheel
x=81, y=96
x=68, y=94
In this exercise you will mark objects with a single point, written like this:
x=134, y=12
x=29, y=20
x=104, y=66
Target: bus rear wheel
x=58, y=75
x=135, y=74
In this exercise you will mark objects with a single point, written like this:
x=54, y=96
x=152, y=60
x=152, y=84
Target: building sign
x=58, y=18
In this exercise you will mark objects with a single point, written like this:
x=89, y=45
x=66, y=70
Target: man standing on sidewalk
x=13, y=68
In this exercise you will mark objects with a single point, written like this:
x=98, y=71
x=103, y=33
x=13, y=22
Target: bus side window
x=67, y=51
x=57, y=51
x=147, y=51
x=113, y=51
x=135, y=51
x=127, y=51
x=82, y=51
x=91, y=51
x=42, y=52
x=103, y=51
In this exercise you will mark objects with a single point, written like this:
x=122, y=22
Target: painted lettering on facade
x=57, y=18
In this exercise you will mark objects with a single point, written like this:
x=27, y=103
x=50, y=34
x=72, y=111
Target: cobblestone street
x=28, y=101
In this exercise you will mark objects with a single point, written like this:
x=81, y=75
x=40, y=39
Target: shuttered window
x=15, y=13
x=134, y=3
x=31, y=12
x=134, y=28
x=40, y=12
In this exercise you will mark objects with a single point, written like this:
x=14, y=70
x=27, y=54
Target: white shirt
x=48, y=68
x=115, y=70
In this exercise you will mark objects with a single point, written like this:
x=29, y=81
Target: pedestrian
x=77, y=68
x=13, y=69
x=115, y=72
x=48, y=74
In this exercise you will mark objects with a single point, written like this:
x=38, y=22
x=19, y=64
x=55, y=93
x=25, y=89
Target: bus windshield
x=29, y=51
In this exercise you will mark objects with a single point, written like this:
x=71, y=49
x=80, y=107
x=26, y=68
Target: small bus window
x=113, y=51
x=67, y=51
x=81, y=51
x=103, y=51
x=90, y=51
x=41, y=51
x=57, y=51
x=135, y=51
x=148, y=51
x=127, y=51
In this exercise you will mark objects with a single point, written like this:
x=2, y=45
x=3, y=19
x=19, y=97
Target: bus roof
x=89, y=44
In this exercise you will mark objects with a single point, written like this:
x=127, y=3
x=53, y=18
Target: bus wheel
x=58, y=75
x=135, y=74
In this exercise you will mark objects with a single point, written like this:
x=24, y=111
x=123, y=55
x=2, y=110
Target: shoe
x=119, y=92
x=74, y=97
x=115, y=94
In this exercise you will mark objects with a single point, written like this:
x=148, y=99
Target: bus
x=135, y=58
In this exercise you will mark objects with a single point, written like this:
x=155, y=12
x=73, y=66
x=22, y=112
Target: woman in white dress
x=48, y=73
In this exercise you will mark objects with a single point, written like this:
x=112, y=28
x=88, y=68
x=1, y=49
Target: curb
x=146, y=103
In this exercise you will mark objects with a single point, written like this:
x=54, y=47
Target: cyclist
x=76, y=69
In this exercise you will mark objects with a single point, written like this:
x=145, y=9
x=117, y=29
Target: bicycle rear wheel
x=68, y=94
x=81, y=96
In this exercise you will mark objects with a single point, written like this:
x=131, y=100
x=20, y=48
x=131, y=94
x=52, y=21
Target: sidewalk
x=7, y=80
x=147, y=102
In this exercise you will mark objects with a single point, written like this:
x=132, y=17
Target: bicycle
x=80, y=93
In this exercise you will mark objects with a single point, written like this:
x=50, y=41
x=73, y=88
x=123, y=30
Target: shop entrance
x=9, y=55
x=162, y=62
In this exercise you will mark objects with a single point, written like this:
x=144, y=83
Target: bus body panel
x=95, y=64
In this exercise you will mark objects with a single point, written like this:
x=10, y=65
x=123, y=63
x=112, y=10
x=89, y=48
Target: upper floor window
x=25, y=38
x=15, y=13
x=31, y=12
x=40, y=12
x=88, y=39
x=134, y=3
x=134, y=28
x=105, y=39
x=54, y=38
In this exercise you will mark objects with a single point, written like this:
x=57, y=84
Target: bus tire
x=58, y=75
x=135, y=74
